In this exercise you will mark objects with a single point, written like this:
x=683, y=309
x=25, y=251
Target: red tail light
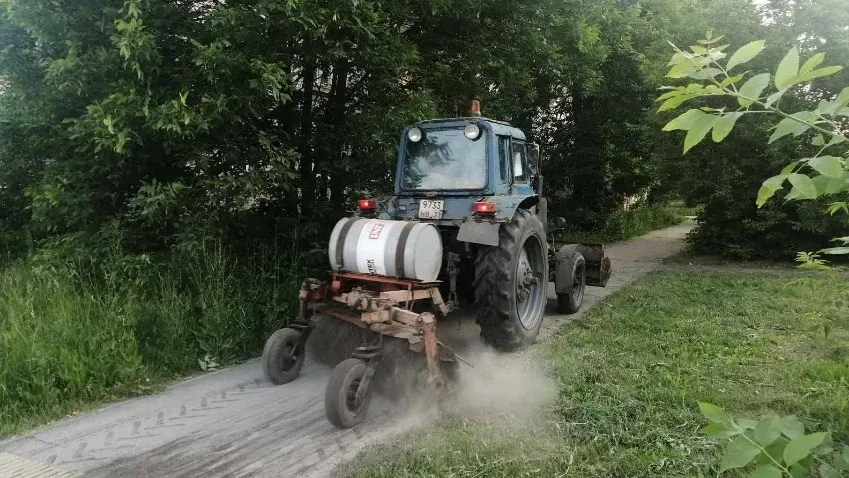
x=367, y=204
x=484, y=208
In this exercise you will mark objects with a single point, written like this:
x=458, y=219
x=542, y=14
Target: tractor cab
x=452, y=170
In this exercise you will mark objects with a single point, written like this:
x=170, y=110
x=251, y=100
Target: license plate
x=429, y=209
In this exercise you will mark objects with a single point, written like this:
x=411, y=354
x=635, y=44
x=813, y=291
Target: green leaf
x=818, y=141
x=673, y=103
x=830, y=166
x=685, y=120
x=768, y=189
x=801, y=446
x=799, y=471
x=827, y=445
x=803, y=185
x=672, y=94
x=724, y=125
x=745, y=54
x=699, y=130
x=789, y=168
x=773, y=452
x=683, y=69
x=827, y=71
x=792, y=126
x=768, y=430
x=812, y=63
x=827, y=186
x=730, y=81
x=775, y=97
x=836, y=251
x=720, y=430
x=842, y=460
x=678, y=58
x=753, y=88
x=747, y=423
x=714, y=413
x=827, y=471
x=788, y=70
x=705, y=73
x=739, y=453
x=766, y=471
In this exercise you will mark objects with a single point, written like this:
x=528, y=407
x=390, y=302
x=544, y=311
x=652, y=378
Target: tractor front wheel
x=511, y=284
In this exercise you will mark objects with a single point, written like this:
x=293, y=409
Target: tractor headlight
x=414, y=135
x=472, y=131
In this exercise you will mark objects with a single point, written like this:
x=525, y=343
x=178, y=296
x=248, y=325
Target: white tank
x=407, y=249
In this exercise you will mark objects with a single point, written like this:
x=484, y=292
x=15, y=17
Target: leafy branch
x=812, y=177
x=774, y=447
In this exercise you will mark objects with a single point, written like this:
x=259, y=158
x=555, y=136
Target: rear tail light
x=485, y=208
x=367, y=204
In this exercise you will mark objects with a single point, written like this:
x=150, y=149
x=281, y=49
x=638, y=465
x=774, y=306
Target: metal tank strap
x=340, y=242
x=402, y=247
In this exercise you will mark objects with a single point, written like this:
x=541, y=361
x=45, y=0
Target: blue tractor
x=467, y=224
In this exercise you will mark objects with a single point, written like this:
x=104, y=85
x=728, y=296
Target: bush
x=72, y=335
x=622, y=225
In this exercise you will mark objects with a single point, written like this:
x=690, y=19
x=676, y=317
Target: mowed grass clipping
x=632, y=371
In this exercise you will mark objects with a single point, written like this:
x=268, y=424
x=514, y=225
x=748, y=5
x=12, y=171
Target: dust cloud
x=501, y=384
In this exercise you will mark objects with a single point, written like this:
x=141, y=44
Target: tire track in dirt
x=235, y=423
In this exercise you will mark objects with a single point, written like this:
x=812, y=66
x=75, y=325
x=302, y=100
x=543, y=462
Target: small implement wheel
x=570, y=302
x=341, y=406
x=283, y=356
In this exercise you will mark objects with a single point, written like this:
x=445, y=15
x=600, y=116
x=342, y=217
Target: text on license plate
x=430, y=209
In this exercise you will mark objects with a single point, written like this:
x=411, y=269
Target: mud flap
x=479, y=232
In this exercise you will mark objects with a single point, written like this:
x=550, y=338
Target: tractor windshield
x=445, y=159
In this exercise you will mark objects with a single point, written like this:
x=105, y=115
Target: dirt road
x=234, y=423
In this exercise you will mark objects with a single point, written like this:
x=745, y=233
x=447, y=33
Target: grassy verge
x=631, y=372
x=627, y=224
x=71, y=340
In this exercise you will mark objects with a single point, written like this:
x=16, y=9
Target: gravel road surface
x=235, y=423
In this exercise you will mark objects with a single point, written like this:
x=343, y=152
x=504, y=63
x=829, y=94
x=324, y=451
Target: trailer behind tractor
x=467, y=226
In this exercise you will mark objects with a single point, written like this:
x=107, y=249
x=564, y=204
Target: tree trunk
x=337, y=170
x=305, y=143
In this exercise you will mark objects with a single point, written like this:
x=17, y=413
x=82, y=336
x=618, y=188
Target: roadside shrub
x=622, y=225
x=74, y=334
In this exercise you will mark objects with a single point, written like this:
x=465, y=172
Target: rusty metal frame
x=383, y=305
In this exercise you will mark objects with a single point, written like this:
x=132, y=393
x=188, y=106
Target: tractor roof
x=500, y=128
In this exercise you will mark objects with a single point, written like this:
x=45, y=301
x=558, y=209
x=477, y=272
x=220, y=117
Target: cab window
x=520, y=162
x=504, y=158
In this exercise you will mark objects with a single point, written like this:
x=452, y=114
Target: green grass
x=75, y=337
x=631, y=372
x=623, y=225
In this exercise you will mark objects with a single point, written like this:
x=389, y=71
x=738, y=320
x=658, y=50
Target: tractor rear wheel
x=511, y=284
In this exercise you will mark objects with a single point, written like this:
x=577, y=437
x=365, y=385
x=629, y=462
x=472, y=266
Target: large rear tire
x=511, y=284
